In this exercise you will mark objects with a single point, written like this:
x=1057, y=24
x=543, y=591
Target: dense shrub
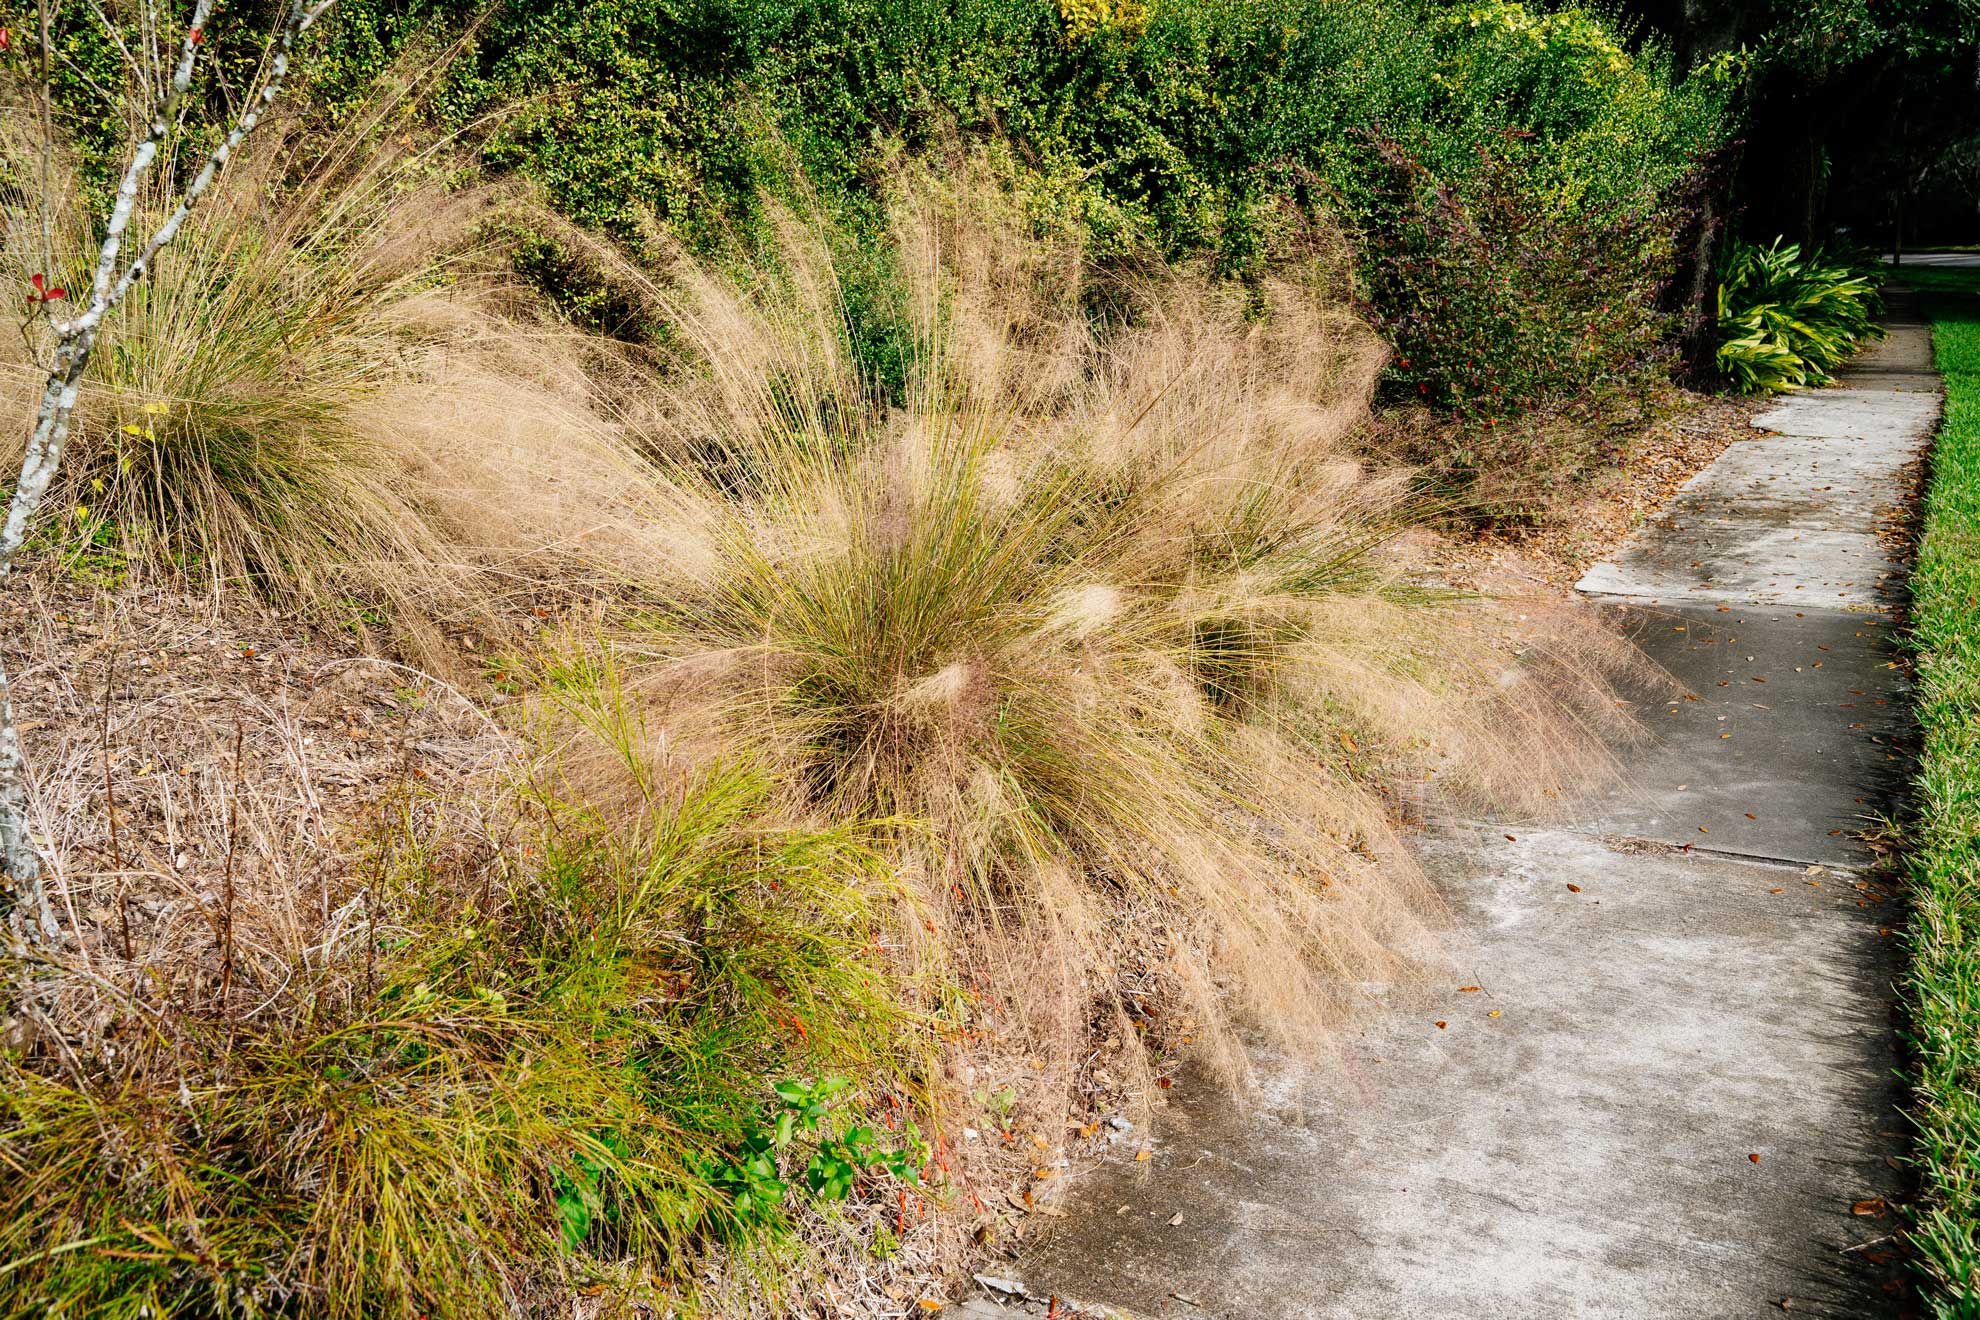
x=1188, y=124
x=1497, y=302
x=1787, y=320
x=1531, y=272
x=1184, y=126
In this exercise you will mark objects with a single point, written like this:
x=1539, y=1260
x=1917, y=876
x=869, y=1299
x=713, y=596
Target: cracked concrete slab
x=1902, y=360
x=1775, y=733
x=1864, y=417
x=1720, y=560
x=1585, y=1152
x=1792, y=519
x=1806, y=480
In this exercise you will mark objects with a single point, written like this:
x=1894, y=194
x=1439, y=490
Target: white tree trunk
x=24, y=905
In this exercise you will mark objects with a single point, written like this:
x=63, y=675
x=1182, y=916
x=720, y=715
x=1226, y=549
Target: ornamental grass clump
x=330, y=394
x=497, y=1070
x=1107, y=606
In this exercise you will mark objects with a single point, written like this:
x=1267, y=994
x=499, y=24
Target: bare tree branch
x=47, y=146
x=131, y=62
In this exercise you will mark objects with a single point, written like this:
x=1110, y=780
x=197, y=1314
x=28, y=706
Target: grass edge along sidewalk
x=1943, y=983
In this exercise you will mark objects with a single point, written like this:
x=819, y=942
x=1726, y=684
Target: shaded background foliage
x=1863, y=116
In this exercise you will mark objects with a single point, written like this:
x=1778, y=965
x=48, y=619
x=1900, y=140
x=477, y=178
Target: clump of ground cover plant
x=500, y=1069
x=1788, y=319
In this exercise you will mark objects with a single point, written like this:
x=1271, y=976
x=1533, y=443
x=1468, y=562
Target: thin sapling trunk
x=25, y=908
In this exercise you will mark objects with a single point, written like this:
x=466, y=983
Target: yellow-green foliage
x=513, y=1074
x=1127, y=19
x=1572, y=36
x=1186, y=125
x=1592, y=106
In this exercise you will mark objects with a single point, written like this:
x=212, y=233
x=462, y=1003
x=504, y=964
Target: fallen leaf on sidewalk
x=1873, y=1206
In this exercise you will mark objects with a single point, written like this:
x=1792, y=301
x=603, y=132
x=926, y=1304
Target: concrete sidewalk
x=1673, y=1094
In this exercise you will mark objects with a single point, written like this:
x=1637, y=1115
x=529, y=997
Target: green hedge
x=1184, y=126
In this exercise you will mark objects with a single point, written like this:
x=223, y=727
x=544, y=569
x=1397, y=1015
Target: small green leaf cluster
x=753, y=1176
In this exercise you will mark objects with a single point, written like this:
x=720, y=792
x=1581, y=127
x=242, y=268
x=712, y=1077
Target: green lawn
x=1943, y=985
x=1938, y=279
